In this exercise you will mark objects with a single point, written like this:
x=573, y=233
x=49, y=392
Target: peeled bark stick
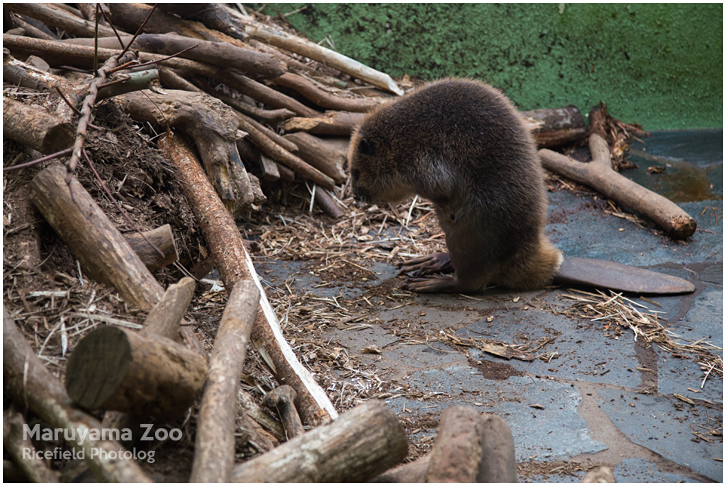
x=233, y=262
x=265, y=94
x=220, y=54
x=599, y=175
x=328, y=204
x=119, y=369
x=555, y=126
x=213, y=126
x=324, y=98
x=322, y=155
x=103, y=252
x=19, y=446
x=457, y=450
x=214, y=447
x=330, y=123
x=318, y=53
x=32, y=385
x=276, y=152
x=58, y=18
x=162, y=238
x=35, y=128
x=361, y=444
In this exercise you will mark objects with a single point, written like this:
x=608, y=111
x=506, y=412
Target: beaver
x=461, y=144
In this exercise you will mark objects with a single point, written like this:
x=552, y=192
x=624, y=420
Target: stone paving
x=597, y=403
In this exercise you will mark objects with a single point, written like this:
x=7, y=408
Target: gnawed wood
x=146, y=246
x=35, y=128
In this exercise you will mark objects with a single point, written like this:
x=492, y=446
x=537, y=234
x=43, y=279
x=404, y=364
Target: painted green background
x=660, y=65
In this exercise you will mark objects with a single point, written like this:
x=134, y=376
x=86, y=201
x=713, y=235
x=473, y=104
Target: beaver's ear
x=365, y=147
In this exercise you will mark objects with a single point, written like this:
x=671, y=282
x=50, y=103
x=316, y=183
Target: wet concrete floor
x=602, y=400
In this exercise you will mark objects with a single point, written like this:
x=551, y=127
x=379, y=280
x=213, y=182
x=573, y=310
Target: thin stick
x=138, y=31
x=38, y=161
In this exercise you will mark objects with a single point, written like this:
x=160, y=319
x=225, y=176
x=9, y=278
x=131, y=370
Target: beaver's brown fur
x=462, y=145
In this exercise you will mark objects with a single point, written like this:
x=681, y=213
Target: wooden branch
x=220, y=54
x=324, y=98
x=457, y=449
x=213, y=126
x=21, y=449
x=276, y=152
x=58, y=18
x=23, y=74
x=270, y=116
x=248, y=404
x=322, y=155
x=245, y=122
x=29, y=29
x=328, y=204
x=161, y=238
x=599, y=175
x=32, y=385
x=35, y=128
x=265, y=94
x=214, y=446
x=318, y=53
x=103, y=252
x=233, y=262
x=359, y=445
x=119, y=369
x=164, y=319
x=555, y=126
x=330, y=123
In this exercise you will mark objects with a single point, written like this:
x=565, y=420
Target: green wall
x=660, y=65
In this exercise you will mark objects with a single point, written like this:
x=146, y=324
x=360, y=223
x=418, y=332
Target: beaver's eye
x=365, y=147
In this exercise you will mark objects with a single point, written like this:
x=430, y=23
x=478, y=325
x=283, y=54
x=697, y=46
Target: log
x=320, y=154
x=161, y=238
x=233, y=262
x=102, y=251
x=213, y=126
x=58, y=18
x=35, y=128
x=31, y=384
x=269, y=116
x=220, y=54
x=265, y=94
x=323, y=98
x=555, y=126
x=119, y=369
x=260, y=130
x=313, y=51
x=599, y=175
x=215, y=442
x=497, y=462
x=359, y=445
x=28, y=76
x=457, y=449
x=270, y=171
x=164, y=319
x=21, y=449
x=330, y=123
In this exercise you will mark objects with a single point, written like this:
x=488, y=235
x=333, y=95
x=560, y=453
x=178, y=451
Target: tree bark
x=32, y=385
x=214, y=447
x=322, y=155
x=358, y=446
x=161, y=238
x=118, y=369
x=103, y=252
x=227, y=249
